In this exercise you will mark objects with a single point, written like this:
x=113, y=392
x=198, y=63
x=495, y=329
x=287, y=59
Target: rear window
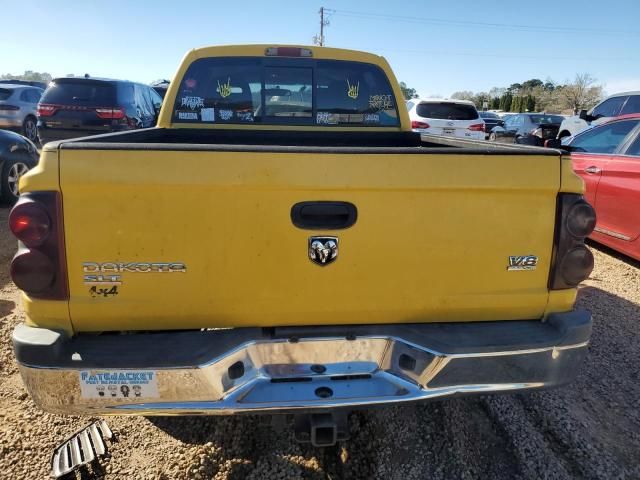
x=285, y=91
x=488, y=115
x=84, y=92
x=447, y=111
x=5, y=93
x=632, y=105
x=540, y=119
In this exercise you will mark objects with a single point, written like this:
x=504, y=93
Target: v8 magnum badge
x=523, y=262
x=323, y=250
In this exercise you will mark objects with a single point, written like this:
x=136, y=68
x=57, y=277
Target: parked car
x=607, y=157
x=490, y=120
x=30, y=83
x=18, y=155
x=454, y=118
x=530, y=128
x=18, y=105
x=77, y=107
x=613, y=106
x=161, y=87
x=311, y=243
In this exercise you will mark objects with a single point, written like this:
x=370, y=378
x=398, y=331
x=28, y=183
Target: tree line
x=534, y=95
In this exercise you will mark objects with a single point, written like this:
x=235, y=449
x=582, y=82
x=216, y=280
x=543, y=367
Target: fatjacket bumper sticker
x=118, y=384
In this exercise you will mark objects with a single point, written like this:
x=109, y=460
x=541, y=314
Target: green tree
x=495, y=103
x=408, y=92
x=505, y=102
x=514, y=88
x=530, y=84
x=514, y=104
x=523, y=104
x=531, y=103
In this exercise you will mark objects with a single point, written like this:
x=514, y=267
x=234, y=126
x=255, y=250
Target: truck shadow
x=551, y=434
x=8, y=246
x=6, y=307
x=613, y=253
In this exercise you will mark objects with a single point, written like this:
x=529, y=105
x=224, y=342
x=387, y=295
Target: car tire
x=12, y=170
x=492, y=137
x=30, y=128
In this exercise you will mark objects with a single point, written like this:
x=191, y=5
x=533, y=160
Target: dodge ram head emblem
x=323, y=250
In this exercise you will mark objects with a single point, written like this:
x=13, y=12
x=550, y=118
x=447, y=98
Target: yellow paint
x=570, y=181
x=431, y=243
x=47, y=313
x=43, y=176
x=561, y=301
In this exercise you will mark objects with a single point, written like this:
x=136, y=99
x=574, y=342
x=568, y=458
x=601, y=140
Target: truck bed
x=257, y=140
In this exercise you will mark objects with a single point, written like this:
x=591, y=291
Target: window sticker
x=353, y=90
x=190, y=83
x=187, y=115
x=118, y=384
x=226, y=115
x=371, y=118
x=245, y=116
x=380, y=102
x=326, y=118
x=192, y=102
x=208, y=114
x=225, y=89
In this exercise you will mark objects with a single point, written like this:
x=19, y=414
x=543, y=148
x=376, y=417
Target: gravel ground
x=590, y=429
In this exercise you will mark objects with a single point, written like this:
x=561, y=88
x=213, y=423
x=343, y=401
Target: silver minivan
x=18, y=105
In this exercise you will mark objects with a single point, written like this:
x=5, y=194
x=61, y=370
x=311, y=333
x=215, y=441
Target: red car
x=607, y=157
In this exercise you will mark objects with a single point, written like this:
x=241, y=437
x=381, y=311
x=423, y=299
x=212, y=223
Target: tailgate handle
x=321, y=215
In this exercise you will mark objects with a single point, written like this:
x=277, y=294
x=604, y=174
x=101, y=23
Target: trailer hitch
x=321, y=429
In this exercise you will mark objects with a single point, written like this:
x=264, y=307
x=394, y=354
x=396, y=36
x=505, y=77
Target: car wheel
x=30, y=129
x=10, y=178
x=492, y=137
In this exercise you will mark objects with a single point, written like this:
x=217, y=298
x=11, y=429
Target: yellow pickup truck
x=282, y=242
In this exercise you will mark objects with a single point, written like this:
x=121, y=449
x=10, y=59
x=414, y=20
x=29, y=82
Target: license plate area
x=448, y=131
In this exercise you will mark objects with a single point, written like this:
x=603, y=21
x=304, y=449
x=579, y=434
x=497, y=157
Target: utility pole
x=319, y=39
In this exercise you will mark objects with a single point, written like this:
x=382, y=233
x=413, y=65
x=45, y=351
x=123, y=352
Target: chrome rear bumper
x=294, y=369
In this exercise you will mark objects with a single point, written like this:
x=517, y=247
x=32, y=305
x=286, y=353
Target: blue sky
x=437, y=47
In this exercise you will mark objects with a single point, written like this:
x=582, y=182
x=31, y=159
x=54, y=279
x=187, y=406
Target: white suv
x=613, y=106
x=455, y=118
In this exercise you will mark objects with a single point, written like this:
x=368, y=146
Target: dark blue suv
x=77, y=107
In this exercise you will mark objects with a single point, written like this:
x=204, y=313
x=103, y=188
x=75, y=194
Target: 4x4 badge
x=323, y=250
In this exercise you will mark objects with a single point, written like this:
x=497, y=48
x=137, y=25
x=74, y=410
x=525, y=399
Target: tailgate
x=431, y=243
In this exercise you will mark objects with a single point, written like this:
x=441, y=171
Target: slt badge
x=323, y=250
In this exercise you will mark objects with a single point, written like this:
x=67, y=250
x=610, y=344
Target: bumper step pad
x=81, y=449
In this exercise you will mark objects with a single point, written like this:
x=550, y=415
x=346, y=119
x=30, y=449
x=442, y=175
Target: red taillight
x=416, y=124
x=9, y=107
x=30, y=223
x=46, y=110
x=39, y=268
x=476, y=127
x=111, y=113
